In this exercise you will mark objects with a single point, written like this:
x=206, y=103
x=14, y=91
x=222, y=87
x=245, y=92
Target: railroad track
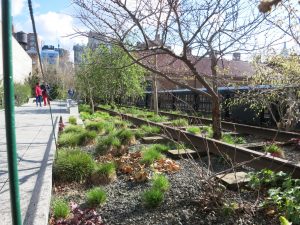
x=267, y=133
x=206, y=145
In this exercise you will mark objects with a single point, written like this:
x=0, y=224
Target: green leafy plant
x=180, y=123
x=60, y=209
x=153, y=197
x=194, y=130
x=73, y=120
x=160, y=182
x=72, y=165
x=284, y=221
x=266, y=179
x=274, y=150
x=22, y=93
x=150, y=155
x=96, y=196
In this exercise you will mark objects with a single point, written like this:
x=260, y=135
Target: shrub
x=161, y=183
x=153, y=197
x=72, y=165
x=194, y=130
x=274, y=150
x=76, y=138
x=60, y=209
x=73, y=120
x=84, y=108
x=96, y=197
x=180, y=123
x=150, y=155
x=22, y=93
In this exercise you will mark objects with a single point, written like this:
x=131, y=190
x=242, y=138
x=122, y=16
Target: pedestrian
x=44, y=94
x=38, y=94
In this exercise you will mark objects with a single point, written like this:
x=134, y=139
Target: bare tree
x=179, y=34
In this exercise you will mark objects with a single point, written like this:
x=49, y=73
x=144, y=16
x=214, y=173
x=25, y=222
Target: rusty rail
x=206, y=145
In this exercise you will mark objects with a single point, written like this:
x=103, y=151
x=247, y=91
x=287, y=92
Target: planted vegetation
x=73, y=120
x=149, y=155
x=155, y=195
x=72, y=165
x=180, y=123
x=96, y=197
x=194, y=130
x=283, y=193
x=103, y=173
x=60, y=209
x=74, y=138
x=229, y=139
x=274, y=150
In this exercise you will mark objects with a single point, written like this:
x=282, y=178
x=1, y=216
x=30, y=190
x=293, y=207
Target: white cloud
x=17, y=7
x=54, y=28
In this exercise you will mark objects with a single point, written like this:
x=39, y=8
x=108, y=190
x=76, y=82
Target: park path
x=36, y=149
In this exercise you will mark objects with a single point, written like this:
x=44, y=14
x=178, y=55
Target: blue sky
x=53, y=19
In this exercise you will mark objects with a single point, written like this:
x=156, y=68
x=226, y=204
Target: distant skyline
x=53, y=19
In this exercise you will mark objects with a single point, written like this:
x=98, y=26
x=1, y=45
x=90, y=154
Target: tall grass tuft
x=73, y=120
x=150, y=155
x=60, y=209
x=96, y=197
x=72, y=165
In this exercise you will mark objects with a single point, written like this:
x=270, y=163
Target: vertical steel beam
x=10, y=111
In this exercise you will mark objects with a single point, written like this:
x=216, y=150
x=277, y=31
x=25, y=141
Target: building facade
x=22, y=63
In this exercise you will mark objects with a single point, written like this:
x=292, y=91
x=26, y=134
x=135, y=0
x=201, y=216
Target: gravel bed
x=183, y=203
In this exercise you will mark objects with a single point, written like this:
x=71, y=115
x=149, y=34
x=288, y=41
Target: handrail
x=9, y=100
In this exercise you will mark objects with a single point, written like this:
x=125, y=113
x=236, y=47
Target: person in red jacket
x=38, y=94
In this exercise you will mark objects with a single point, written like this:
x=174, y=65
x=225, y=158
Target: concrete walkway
x=36, y=149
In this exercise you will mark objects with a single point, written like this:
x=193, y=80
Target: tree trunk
x=216, y=112
x=155, y=95
x=216, y=118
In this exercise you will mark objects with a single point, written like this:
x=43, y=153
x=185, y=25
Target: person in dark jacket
x=45, y=94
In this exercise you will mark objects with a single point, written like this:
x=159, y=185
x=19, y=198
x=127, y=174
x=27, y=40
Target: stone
x=231, y=180
x=154, y=140
x=177, y=153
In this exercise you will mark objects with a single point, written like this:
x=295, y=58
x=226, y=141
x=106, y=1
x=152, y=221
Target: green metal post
x=10, y=111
